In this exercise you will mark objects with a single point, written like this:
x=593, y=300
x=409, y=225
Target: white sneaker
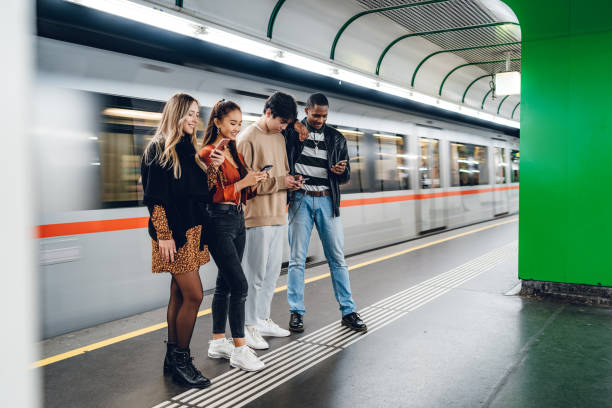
x=245, y=358
x=220, y=348
x=269, y=328
x=254, y=339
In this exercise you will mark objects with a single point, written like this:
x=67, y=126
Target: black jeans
x=225, y=236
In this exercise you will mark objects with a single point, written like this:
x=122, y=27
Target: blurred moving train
x=94, y=113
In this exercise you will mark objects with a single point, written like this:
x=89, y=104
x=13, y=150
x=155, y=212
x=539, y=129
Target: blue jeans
x=304, y=212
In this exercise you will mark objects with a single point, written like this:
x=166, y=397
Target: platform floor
x=444, y=331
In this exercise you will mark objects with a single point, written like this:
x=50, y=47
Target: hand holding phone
x=266, y=167
x=221, y=145
x=339, y=168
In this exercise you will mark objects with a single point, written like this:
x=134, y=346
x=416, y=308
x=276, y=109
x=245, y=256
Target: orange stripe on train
x=90, y=227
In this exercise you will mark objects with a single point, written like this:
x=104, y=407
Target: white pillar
x=19, y=386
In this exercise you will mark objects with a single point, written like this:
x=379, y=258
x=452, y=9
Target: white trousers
x=261, y=263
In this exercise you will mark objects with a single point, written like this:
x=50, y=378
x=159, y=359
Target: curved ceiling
x=444, y=48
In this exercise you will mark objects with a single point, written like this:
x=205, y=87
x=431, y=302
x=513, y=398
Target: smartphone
x=221, y=145
x=341, y=161
x=266, y=167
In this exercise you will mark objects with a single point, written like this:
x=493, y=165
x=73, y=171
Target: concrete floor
x=443, y=333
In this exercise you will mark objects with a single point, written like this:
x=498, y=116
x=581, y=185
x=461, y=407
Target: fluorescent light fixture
x=508, y=83
x=350, y=132
x=132, y=114
x=250, y=118
x=384, y=136
x=170, y=20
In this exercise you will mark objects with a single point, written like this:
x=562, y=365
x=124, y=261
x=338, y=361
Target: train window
x=391, y=167
x=248, y=119
x=127, y=126
x=468, y=165
x=515, y=158
x=500, y=165
x=429, y=163
x=357, y=160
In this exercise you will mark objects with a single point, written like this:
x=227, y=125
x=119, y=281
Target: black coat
x=335, y=144
x=183, y=198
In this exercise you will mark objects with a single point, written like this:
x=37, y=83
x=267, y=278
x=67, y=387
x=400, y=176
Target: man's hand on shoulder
x=302, y=130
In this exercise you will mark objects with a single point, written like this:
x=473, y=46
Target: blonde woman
x=175, y=188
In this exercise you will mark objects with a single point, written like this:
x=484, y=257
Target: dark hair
x=281, y=105
x=219, y=111
x=317, y=99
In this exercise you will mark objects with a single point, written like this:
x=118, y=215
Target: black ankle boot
x=184, y=373
x=168, y=361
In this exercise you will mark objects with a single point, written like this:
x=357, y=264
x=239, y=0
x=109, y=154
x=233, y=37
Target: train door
x=500, y=192
x=430, y=209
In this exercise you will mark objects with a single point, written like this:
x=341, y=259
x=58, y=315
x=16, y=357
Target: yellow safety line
x=136, y=333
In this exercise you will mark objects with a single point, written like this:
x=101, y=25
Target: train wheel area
x=445, y=329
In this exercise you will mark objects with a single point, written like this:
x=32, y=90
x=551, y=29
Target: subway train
x=94, y=112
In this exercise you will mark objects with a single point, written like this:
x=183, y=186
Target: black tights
x=185, y=298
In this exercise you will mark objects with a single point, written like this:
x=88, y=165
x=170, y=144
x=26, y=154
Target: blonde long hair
x=169, y=133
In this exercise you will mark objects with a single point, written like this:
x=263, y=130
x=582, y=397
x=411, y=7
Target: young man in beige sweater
x=261, y=145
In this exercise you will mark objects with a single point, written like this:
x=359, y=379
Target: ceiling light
x=172, y=21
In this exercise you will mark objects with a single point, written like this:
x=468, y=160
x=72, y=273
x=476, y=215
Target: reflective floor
x=444, y=331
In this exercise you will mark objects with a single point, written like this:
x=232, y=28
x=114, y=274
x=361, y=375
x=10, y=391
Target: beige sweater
x=269, y=207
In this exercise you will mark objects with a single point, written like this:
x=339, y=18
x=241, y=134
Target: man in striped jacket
x=318, y=154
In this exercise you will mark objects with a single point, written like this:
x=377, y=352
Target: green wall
x=565, y=225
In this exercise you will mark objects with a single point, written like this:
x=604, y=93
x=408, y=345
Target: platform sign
x=508, y=83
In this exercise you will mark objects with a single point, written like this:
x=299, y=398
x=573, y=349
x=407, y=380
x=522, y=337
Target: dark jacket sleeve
x=155, y=183
x=156, y=190
x=294, y=147
x=343, y=154
x=340, y=153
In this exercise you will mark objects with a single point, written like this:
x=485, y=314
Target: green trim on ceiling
x=485, y=98
x=273, y=16
x=378, y=10
x=455, y=50
x=472, y=83
x=514, y=110
x=448, y=30
x=502, y=101
x=469, y=64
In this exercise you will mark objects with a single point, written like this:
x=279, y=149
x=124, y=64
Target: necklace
x=316, y=143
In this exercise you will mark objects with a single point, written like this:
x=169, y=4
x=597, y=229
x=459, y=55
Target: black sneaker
x=353, y=321
x=296, y=324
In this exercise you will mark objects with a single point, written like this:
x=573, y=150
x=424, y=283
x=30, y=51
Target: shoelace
x=251, y=352
x=255, y=334
x=271, y=323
